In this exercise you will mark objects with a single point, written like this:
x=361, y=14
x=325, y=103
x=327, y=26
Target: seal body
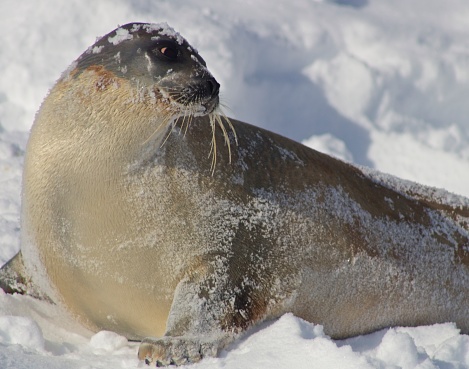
x=125, y=223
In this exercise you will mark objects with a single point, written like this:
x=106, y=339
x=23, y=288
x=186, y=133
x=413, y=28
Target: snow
x=17, y=330
x=165, y=29
x=382, y=84
x=121, y=35
x=289, y=342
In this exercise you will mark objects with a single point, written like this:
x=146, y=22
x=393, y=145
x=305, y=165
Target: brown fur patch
x=104, y=79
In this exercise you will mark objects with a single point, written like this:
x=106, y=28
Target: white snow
x=379, y=83
x=165, y=29
x=121, y=35
x=18, y=330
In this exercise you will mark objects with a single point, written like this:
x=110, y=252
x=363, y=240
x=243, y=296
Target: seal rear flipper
x=15, y=279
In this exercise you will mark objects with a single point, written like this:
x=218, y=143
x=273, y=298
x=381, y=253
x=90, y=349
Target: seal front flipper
x=182, y=350
x=200, y=323
x=15, y=279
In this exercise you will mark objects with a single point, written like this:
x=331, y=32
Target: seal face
x=155, y=56
x=126, y=224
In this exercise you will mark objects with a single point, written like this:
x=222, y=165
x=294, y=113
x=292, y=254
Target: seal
x=129, y=225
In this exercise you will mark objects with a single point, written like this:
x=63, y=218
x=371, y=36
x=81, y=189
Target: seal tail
x=15, y=279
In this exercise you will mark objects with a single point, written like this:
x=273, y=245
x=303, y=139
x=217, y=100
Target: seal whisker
x=179, y=98
x=225, y=134
x=189, y=121
x=169, y=133
x=230, y=125
x=184, y=120
x=213, y=144
x=166, y=121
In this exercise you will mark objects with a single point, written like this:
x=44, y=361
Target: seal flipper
x=182, y=350
x=15, y=279
x=196, y=326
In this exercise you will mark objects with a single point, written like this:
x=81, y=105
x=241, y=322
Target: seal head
x=157, y=57
x=160, y=67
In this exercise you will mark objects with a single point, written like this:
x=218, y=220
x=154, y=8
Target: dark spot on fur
x=104, y=78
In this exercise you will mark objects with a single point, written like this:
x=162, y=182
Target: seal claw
x=176, y=351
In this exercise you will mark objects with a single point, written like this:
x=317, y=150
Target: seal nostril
x=213, y=87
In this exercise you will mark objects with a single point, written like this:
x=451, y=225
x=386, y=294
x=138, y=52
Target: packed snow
x=380, y=83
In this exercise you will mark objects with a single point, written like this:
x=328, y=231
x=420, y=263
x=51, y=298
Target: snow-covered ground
x=380, y=83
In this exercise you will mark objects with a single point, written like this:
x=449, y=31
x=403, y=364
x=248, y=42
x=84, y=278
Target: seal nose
x=213, y=87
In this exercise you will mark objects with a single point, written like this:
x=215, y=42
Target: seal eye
x=169, y=52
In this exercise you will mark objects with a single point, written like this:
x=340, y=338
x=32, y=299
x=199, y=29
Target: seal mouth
x=211, y=105
x=202, y=96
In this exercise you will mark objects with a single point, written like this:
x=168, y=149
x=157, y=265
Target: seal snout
x=206, y=89
x=213, y=87
x=203, y=92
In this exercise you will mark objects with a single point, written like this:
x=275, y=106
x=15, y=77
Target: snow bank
x=17, y=330
x=289, y=342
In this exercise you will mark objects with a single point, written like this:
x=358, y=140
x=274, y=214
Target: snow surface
x=379, y=83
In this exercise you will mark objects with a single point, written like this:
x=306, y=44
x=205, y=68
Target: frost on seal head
x=164, y=69
x=128, y=226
